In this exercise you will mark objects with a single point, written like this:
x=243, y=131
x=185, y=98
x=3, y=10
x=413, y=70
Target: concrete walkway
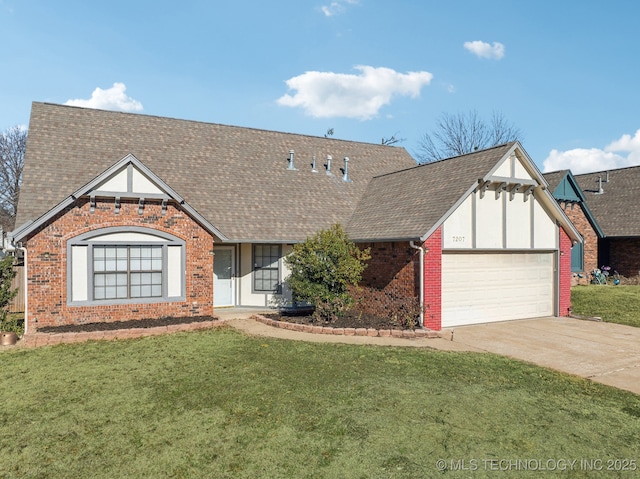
x=603, y=352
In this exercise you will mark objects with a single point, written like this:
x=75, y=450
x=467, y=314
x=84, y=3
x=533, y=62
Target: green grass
x=217, y=404
x=614, y=304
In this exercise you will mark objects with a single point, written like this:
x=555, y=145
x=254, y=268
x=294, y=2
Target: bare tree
x=13, y=143
x=459, y=134
x=392, y=140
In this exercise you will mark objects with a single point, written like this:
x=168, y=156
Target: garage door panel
x=480, y=288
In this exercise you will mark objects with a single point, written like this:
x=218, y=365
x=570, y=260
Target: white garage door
x=482, y=288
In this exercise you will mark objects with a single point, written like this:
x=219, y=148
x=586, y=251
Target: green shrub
x=322, y=269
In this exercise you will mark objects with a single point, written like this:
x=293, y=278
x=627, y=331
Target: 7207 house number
x=457, y=239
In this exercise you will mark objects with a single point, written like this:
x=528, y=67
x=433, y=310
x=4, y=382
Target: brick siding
x=47, y=264
x=433, y=281
x=577, y=216
x=624, y=256
x=390, y=283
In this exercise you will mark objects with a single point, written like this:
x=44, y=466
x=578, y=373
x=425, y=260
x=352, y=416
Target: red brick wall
x=390, y=282
x=590, y=247
x=565, y=274
x=47, y=264
x=433, y=281
x=624, y=256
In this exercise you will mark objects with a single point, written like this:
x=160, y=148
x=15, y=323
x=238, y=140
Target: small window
x=266, y=268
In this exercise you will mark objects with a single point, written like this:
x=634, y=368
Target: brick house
x=125, y=216
x=584, y=256
x=613, y=197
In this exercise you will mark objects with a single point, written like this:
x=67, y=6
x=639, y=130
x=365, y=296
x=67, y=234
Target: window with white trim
x=266, y=268
x=125, y=265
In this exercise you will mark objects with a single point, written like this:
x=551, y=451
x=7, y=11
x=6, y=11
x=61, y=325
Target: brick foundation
x=565, y=274
x=47, y=264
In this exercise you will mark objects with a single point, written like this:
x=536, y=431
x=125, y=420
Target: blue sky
x=564, y=72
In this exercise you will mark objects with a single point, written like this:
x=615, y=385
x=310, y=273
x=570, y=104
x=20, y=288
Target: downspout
x=26, y=291
x=421, y=249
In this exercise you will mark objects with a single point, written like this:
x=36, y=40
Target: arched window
x=125, y=265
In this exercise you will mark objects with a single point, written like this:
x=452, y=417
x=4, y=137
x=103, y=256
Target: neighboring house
x=567, y=191
x=125, y=216
x=614, y=198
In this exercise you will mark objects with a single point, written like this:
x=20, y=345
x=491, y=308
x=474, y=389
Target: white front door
x=223, y=277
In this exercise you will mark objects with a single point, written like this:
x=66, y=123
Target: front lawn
x=217, y=404
x=615, y=304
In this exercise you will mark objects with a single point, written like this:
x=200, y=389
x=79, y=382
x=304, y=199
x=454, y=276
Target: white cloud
x=337, y=7
x=618, y=154
x=113, y=98
x=485, y=50
x=328, y=94
x=334, y=8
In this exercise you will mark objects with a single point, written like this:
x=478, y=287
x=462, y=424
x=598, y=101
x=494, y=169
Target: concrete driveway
x=603, y=352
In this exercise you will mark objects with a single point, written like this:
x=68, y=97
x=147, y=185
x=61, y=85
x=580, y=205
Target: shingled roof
x=236, y=178
x=617, y=208
x=409, y=203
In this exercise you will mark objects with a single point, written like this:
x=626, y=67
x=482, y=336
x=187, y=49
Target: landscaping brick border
x=383, y=333
x=33, y=340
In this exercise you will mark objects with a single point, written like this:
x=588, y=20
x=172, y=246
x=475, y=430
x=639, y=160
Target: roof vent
x=600, y=189
x=345, y=173
x=313, y=165
x=291, y=165
x=328, y=165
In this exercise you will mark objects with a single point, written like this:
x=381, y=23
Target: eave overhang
x=26, y=229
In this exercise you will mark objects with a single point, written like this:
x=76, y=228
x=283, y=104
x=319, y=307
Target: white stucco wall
x=458, y=229
x=489, y=220
x=244, y=282
x=142, y=185
x=174, y=273
x=501, y=221
x=117, y=183
x=79, y=273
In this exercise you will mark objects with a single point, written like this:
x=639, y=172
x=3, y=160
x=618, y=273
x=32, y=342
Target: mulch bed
x=138, y=323
x=349, y=320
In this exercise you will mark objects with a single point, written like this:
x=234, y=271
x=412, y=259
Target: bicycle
x=598, y=277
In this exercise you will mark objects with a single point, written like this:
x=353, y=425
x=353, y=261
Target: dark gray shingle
x=408, y=203
x=617, y=209
x=235, y=177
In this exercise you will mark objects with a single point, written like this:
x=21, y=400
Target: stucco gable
x=411, y=204
x=126, y=179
